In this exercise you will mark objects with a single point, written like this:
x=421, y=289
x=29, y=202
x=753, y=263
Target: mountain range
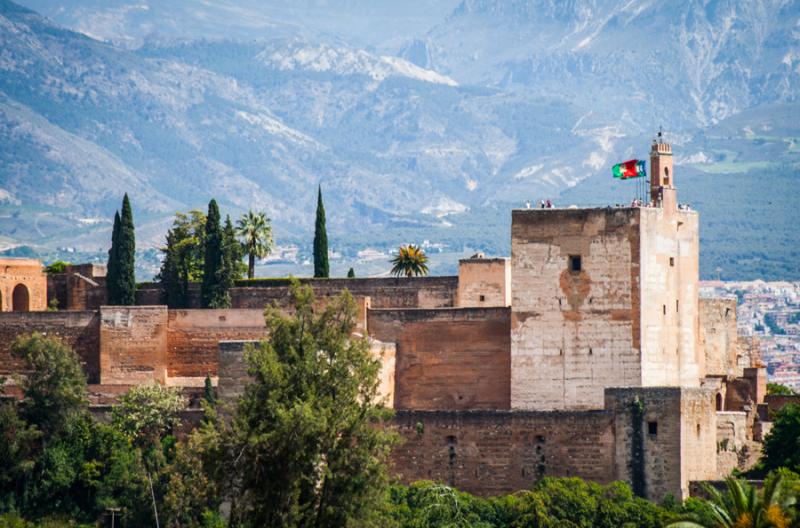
x=421, y=120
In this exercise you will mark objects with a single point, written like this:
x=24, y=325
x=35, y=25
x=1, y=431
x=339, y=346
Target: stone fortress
x=588, y=353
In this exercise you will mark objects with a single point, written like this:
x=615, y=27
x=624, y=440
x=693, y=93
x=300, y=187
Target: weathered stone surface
x=718, y=337
x=79, y=330
x=448, y=358
x=23, y=285
x=497, y=452
x=484, y=282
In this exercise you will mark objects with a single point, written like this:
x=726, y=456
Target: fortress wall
x=27, y=273
x=717, y=336
x=573, y=333
x=498, y=452
x=662, y=423
x=133, y=344
x=79, y=330
x=388, y=292
x=193, y=338
x=669, y=291
x=484, y=282
x=449, y=358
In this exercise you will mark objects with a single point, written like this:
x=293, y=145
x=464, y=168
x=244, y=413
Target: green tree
x=351, y=274
x=410, y=261
x=779, y=390
x=121, y=282
x=59, y=266
x=255, y=231
x=782, y=445
x=19, y=450
x=306, y=446
x=232, y=255
x=147, y=413
x=112, y=268
x=208, y=392
x=214, y=293
x=183, y=258
x=743, y=506
x=321, y=268
x=55, y=388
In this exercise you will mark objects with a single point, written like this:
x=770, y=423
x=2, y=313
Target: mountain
x=422, y=120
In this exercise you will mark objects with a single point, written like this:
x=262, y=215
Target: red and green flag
x=629, y=169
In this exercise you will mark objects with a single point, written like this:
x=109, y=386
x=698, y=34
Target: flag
x=629, y=169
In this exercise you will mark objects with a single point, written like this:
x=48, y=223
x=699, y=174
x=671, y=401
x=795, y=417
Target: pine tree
x=127, y=256
x=213, y=262
x=321, y=268
x=112, y=269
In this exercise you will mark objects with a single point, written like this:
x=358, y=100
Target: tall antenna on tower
x=660, y=135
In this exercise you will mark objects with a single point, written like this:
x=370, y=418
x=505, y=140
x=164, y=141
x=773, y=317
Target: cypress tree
x=213, y=263
x=112, y=268
x=351, y=274
x=126, y=289
x=321, y=268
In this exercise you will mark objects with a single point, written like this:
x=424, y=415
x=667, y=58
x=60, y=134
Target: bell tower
x=662, y=188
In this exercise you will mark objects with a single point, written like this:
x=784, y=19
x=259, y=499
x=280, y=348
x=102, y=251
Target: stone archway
x=20, y=299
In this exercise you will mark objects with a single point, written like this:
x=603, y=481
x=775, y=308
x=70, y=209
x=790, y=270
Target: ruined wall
x=498, y=452
x=718, y=336
x=25, y=277
x=573, y=333
x=79, y=330
x=193, y=338
x=745, y=393
x=448, y=358
x=669, y=289
x=133, y=344
x=659, y=447
x=389, y=292
x=731, y=439
x=484, y=282
x=79, y=287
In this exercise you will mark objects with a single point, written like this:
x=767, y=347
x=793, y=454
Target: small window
x=652, y=428
x=672, y=262
x=590, y=351
x=677, y=305
x=451, y=440
x=482, y=298
x=575, y=263
x=698, y=429
x=664, y=308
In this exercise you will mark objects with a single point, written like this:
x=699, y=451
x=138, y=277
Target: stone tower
x=604, y=297
x=662, y=184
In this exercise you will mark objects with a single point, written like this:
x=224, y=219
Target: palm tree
x=743, y=507
x=256, y=233
x=410, y=261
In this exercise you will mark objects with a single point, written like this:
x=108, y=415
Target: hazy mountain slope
x=681, y=64
x=130, y=23
x=429, y=123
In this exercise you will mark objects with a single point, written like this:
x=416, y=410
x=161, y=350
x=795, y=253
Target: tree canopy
x=410, y=261
x=321, y=267
x=121, y=278
x=303, y=448
x=255, y=230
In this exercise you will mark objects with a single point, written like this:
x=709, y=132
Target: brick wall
x=497, y=452
x=419, y=292
x=133, y=344
x=79, y=330
x=448, y=359
x=193, y=339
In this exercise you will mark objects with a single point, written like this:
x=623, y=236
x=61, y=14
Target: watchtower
x=662, y=184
